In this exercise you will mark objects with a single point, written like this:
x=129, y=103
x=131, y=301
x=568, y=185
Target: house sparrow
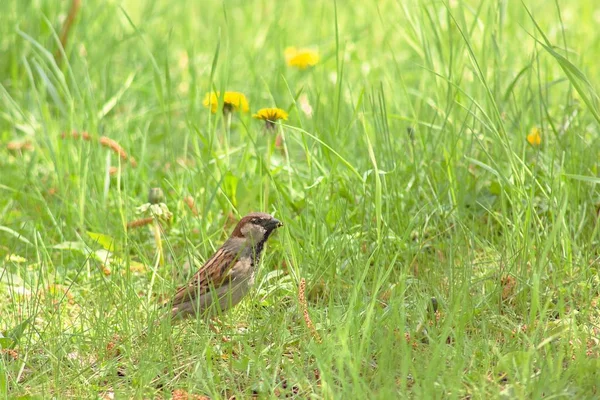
x=226, y=277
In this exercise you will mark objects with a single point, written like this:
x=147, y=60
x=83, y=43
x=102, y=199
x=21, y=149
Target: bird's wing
x=212, y=275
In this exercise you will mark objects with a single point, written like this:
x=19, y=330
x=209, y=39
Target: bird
x=227, y=276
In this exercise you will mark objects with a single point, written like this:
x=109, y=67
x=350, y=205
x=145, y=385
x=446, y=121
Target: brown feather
x=212, y=274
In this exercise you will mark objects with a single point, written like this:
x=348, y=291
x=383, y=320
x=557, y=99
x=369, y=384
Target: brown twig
x=304, y=306
x=68, y=24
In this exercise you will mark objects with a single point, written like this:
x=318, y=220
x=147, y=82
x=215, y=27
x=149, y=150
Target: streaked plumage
x=228, y=275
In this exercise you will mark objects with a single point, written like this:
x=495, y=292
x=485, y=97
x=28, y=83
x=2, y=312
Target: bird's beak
x=275, y=223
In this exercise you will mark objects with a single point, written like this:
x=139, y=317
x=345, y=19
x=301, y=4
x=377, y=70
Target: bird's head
x=256, y=227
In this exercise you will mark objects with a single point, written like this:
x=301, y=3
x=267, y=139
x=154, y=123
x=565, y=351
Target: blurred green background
x=404, y=173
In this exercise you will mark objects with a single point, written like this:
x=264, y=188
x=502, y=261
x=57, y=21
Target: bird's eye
x=254, y=220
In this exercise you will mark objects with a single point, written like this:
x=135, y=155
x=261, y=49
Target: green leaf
x=107, y=242
x=230, y=184
x=6, y=342
x=15, y=234
x=112, y=102
x=583, y=178
x=495, y=188
x=516, y=364
x=577, y=78
x=3, y=383
x=9, y=339
x=78, y=247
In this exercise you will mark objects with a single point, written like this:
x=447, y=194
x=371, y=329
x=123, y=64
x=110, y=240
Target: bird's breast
x=243, y=269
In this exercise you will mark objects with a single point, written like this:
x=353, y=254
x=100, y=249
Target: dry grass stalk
x=19, y=146
x=140, y=222
x=189, y=201
x=105, y=141
x=116, y=148
x=76, y=135
x=64, y=34
x=304, y=306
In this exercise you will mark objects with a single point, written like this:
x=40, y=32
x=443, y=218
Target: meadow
x=437, y=178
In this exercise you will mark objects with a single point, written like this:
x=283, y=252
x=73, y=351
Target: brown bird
x=228, y=275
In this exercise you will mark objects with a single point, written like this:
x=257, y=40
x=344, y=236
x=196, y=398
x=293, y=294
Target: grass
x=411, y=180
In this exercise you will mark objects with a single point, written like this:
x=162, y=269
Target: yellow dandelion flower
x=270, y=116
x=211, y=100
x=301, y=58
x=535, y=136
x=232, y=101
